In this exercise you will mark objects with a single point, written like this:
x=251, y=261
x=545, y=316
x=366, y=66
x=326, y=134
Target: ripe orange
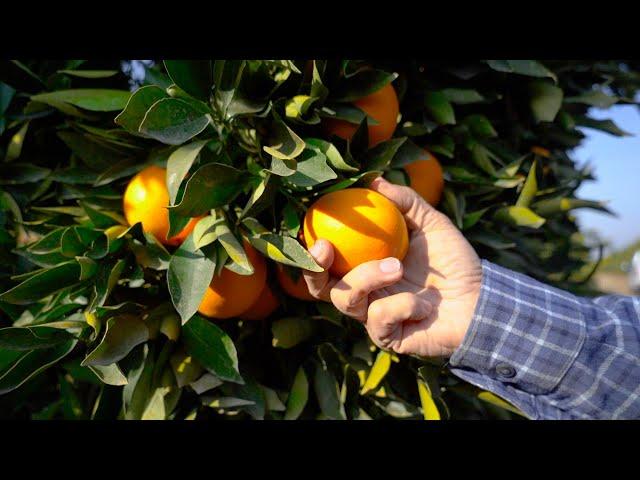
x=426, y=178
x=264, y=306
x=146, y=199
x=297, y=289
x=231, y=294
x=361, y=224
x=381, y=105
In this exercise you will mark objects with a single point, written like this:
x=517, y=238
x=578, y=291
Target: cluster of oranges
x=361, y=224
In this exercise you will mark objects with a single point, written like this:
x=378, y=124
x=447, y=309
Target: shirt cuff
x=523, y=337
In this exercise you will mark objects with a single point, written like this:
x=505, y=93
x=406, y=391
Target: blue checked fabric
x=550, y=353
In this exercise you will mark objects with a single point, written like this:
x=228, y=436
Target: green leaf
x=97, y=100
x=204, y=233
x=124, y=168
x=530, y=188
x=380, y=156
x=347, y=112
x=155, y=409
x=595, y=98
x=328, y=393
x=378, y=371
x=556, y=205
x=283, y=168
x=22, y=173
x=14, y=149
x=530, y=68
x=262, y=197
x=471, y=218
x=429, y=409
x=213, y=185
x=234, y=248
x=212, y=348
x=226, y=402
x=137, y=392
x=285, y=250
x=31, y=363
x=102, y=218
x=192, y=76
x=227, y=75
x=287, y=145
x=43, y=284
x=363, y=83
x=173, y=121
x=312, y=169
x=94, y=155
x=480, y=156
x=188, y=277
x=480, y=126
x=90, y=73
x=331, y=152
x=439, y=108
x=123, y=334
x=462, y=96
x=6, y=95
x=290, y=331
x=205, y=383
x=137, y=106
x=185, y=369
x=607, y=126
x=179, y=164
x=298, y=396
x=519, y=217
x=109, y=374
x=361, y=180
x=32, y=338
x=545, y=100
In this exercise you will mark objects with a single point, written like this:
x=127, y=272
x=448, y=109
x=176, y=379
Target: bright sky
x=615, y=163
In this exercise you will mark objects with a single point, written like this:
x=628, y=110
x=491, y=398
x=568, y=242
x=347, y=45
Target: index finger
x=320, y=283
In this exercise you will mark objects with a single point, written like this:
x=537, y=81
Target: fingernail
x=389, y=265
x=316, y=249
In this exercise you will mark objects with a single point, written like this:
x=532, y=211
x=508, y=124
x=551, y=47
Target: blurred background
x=615, y=164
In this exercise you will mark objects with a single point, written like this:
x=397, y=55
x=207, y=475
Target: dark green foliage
x=97, y=317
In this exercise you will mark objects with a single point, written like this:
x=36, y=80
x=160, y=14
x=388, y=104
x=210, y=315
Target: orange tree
x=184, y=299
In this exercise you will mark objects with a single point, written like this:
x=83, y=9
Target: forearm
x=552, y=354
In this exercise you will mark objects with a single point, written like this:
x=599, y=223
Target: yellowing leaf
x=429, y=409
x=497, y=401
x=378, y=371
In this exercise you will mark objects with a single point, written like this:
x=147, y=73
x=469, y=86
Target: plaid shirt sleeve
x=550, y=353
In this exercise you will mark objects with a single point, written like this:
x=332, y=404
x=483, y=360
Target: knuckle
x=376, y=311
x=338, y=299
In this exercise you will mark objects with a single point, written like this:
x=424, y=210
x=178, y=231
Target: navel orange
x=382, y=106
x=146, y=200
x=231, y=294
x=361, y=224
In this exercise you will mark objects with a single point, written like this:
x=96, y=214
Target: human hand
x=422, y=305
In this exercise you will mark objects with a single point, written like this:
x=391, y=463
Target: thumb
x=416, y=210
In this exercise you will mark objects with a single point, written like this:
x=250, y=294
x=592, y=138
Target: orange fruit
x=543, y=152
x=146, y=200
x=426, y=178
x=264, y=306
x=297, y=289
x=361, y=224
x=381, y=105
x=231, y=294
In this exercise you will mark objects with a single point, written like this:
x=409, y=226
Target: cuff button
x=505, y=371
